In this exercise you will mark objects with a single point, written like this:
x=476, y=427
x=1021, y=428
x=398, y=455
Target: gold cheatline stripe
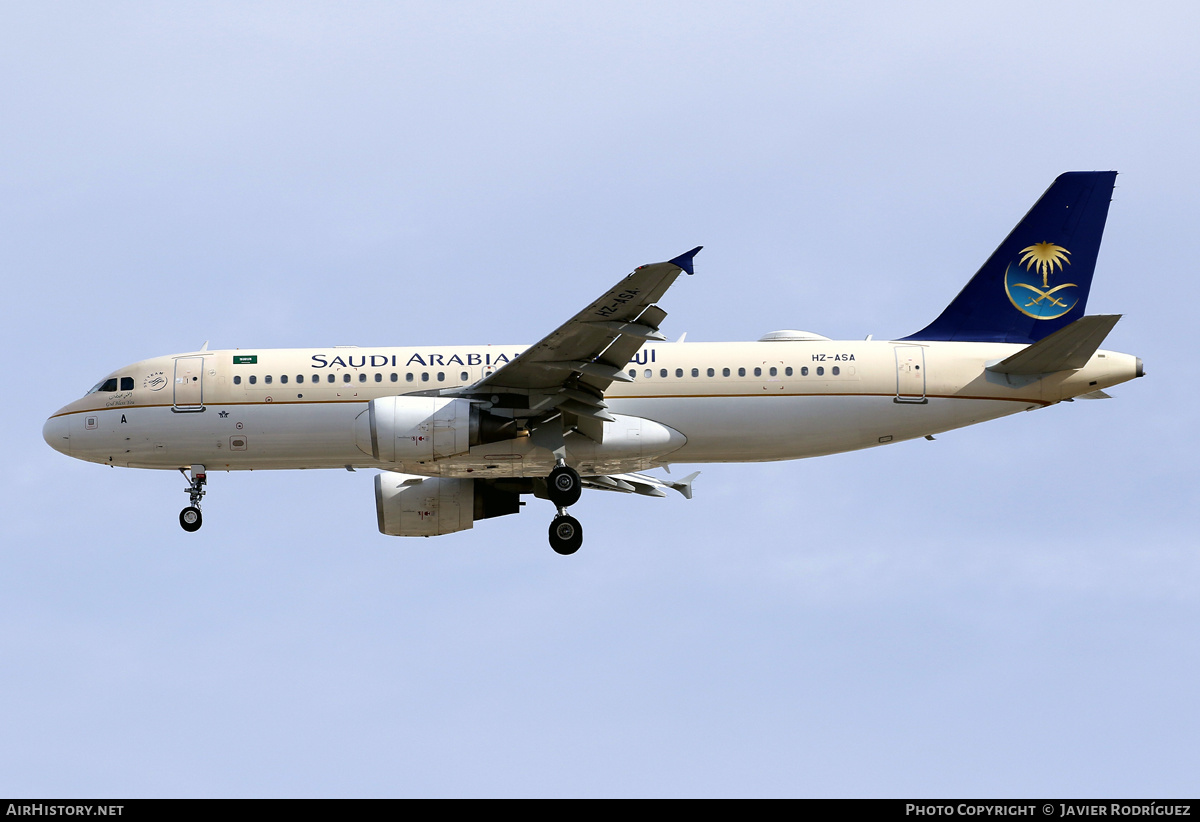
x=622, y=397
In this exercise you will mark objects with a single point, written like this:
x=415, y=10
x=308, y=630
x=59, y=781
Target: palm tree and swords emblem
x=1046, y=302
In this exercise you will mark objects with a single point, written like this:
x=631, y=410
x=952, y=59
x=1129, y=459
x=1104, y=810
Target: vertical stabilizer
x=1038, y=280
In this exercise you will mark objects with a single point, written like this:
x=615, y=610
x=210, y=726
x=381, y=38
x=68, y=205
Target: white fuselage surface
x=727, y=402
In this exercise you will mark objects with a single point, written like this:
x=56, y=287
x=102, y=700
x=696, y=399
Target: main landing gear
x=563, y=486
x=190, y=518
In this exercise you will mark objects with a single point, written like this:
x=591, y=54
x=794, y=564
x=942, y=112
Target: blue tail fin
x=1038, y=280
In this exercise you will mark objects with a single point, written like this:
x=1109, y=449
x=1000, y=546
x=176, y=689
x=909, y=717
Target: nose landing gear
x=563, y=486
x=190, y=518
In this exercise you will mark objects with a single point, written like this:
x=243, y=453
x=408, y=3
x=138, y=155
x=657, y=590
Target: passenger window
x=741, y=372
x=758, y=372
x=283, y=379
x=464, y=376
x=787, y=372
x=408, y=377
x=804, y=371
x=662, y=372
x=332, y=378
x=774, y=371
x=724, y=372
x=820, y=370
x=395, y=376
x=648, y=373
x=299, y=378
x=126, y=383
x=346, y=377
x=678, y=372
x=695, y=372
x=633, y=372
x=253, y=379
x=267, y=379
x=378, y=378
x=712, y=373
x=237, y=379
x=362, y=377
x=424, y=376
x=441, y=376
x=836, y=371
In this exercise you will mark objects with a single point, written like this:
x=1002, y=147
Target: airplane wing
x=569, y=370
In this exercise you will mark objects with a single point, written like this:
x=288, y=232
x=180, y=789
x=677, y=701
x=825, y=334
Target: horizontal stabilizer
x=643, y=484
x=684, y=486
x=1067, y=349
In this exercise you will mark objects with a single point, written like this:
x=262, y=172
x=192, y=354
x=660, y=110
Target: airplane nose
x=56, y=433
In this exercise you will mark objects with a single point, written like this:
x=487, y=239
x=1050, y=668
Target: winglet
x=684, y=261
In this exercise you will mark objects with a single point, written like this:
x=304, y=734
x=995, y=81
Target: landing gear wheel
x=563, y=486
x=190, y=519
x=566, y=535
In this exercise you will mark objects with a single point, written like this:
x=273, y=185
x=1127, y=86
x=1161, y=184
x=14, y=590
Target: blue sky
x=1007, y=611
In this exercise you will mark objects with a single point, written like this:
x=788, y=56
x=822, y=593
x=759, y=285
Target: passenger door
x=189, y=384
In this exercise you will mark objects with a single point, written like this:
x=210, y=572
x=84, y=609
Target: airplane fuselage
x=719, y=402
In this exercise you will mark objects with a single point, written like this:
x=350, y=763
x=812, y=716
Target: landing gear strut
x=563, y=486
x=190, y=518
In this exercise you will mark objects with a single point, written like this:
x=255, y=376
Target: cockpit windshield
x=110, y=384
x=105, y=385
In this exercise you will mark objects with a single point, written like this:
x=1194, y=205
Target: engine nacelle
x=410, y=506
x=422, y=429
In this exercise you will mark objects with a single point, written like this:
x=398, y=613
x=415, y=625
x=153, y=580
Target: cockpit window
x=106, y=385
x=111, y=384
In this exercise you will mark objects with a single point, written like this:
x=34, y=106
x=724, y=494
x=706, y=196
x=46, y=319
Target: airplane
x=461, y=433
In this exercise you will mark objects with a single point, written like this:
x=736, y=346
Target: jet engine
x=419, y=429
x=410, y=506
